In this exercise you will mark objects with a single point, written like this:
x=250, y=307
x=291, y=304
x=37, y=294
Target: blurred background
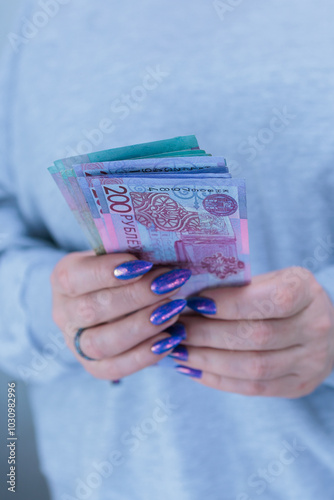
x=30, y=483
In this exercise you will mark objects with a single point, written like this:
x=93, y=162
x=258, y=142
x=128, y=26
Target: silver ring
x=77, y=345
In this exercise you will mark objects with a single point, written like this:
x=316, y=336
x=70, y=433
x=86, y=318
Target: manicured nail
x=167, y=311
x=180, y=352
x=166, y=344
x=132, y=269
x=178, y=329
x=170, y=281
x=177, y=332
x=115, y=382
x=202, y=305
x=190, y=372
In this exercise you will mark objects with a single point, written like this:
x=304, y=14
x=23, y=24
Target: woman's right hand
x=117, y=313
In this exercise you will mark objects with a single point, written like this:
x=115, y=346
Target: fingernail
x=115, y=382
x=170, y=281
x=166, y=344
x=177, y=332
x=132, y=269
x=178, y=329
x=202, y=305
x=167, y=311
x=190, y=372
x=180, y=352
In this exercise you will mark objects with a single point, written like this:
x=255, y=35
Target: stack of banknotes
x=167, y=202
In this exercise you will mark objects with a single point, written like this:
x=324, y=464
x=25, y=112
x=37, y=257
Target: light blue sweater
x=254, y=81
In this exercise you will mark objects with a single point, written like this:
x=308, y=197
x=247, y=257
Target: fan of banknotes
x=167, y=202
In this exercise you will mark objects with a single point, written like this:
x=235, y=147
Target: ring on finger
x=77, y=345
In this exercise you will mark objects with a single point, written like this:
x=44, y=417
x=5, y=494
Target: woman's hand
x=274, y=337
x=116, y=299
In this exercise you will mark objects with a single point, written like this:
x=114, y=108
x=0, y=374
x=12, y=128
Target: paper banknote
x=175, y=211
x=186, y=222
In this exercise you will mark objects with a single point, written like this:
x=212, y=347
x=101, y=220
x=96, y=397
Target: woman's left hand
x=274, y=337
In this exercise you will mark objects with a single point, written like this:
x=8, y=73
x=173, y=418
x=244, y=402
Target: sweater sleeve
x=32, y=347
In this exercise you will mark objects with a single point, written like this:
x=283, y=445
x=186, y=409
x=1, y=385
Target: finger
x=279, y=294
x=111, y=339
x=288, y=386
x=250, y=365
x=109, y=304
x=245, y=335
x=83, y=272
x=128, y=362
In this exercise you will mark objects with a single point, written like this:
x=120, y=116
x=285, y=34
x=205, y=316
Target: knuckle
x=320, y=354
x=262, y=333
x=302, y=273
x=104, y=298
x=324, y=325
x=86, y=311
x=312, y=286
x=108, y=298
x=204, y=357
x=61, y=278
x=258, y=367
x=287, y=300
x=199, y=332
x=304, y=388
x=139, y=360
x=133, y=294
x=255, y=388
x=69, y=329
x=100, y=274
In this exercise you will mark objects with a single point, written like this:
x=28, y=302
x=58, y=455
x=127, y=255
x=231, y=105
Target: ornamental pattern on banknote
x=186, y=194
x=222, y=266
x=165, y=213
x=220, y=205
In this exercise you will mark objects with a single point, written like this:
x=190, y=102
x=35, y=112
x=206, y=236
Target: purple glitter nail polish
x=167, y=311
x=190, y=372
x=132, y=269
x=180, y=352
x=170, y=281
x=178, y=329
x=166, y=344
x=202, y=305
